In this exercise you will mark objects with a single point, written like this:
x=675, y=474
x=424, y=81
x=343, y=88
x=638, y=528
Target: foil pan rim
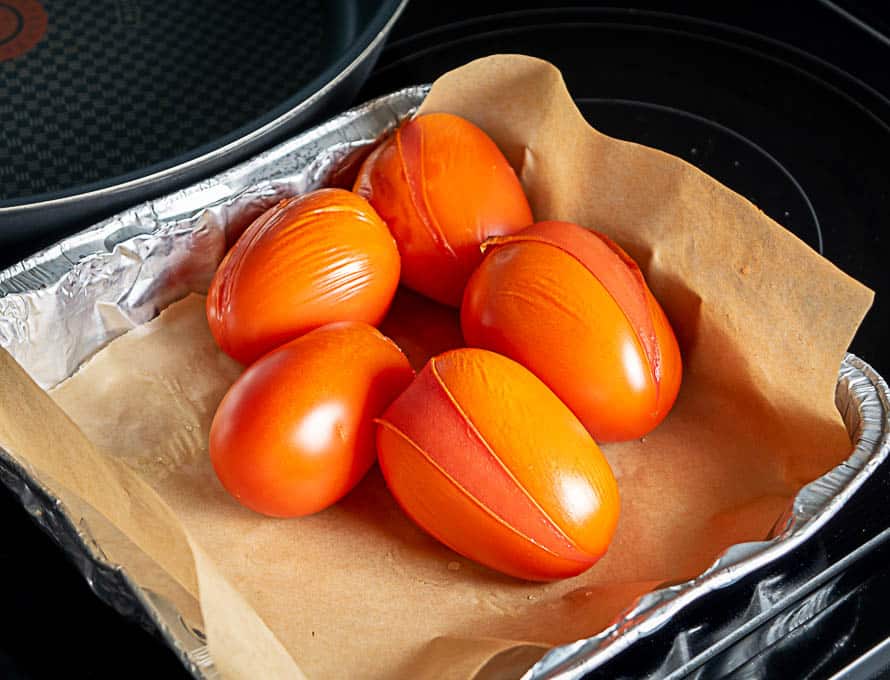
x=109, y=581
x=108, y=227
x=859, y=386
x=72, y=268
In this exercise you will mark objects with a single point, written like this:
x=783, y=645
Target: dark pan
x=104, y=105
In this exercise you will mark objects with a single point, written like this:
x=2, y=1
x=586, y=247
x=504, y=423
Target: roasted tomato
x=295, y=432
x=421, y=327
x=483, y=456
x=572, y=307
x=443, y=187
x=311, y=260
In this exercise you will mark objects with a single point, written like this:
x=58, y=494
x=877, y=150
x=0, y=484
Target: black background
x=51, y=622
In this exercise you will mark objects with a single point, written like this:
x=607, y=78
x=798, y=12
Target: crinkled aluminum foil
x=91, y=287
x=60, y=306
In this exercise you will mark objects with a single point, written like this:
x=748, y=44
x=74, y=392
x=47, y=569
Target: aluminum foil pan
x=62, y=305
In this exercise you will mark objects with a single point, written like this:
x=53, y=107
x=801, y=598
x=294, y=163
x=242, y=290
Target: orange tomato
x=295, y=432
x=311, y=260
x=421, y=327
x=483, y=456
x=442, y=186
x=572, y=307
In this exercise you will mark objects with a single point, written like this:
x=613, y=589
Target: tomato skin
x=443, y=187
x=295, y=432
x=421, y=327
x=483, y=456
x=314, y=259
x=572, y=307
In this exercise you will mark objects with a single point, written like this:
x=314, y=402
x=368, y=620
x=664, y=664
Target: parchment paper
x=357, y=591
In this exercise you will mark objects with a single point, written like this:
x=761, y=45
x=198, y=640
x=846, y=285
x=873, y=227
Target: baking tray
x=79, y=294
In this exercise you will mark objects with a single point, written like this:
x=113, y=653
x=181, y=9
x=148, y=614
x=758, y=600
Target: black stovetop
x=788, y=103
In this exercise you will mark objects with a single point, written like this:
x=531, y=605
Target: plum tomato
x=314, y=259
x=572, y=307
x=442, y=186
x=485, y=458
x=295, y=432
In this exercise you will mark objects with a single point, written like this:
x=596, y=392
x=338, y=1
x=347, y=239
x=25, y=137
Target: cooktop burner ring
x=809, y=230
x=623, y=19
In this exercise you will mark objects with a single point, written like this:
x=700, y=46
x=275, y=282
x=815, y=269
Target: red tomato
x=482, y=455
x=442, y=186
x=573, y=308
x=311, y=260
x=421, y=327
x=295, y=432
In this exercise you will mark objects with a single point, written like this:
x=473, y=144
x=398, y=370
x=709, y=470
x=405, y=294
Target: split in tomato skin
x=295, y=432
x=315, y=259
x=443, y=187
x=484, y=457
x=572, y=307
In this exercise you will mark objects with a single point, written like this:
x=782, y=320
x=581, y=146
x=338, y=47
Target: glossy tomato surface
x=315, y=259
x=421, y=327
x=483, y=456
x=443, y=187
x=295, y=432
x=572, y=307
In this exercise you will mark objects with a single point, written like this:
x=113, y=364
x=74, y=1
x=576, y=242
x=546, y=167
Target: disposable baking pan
x=60, y=306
